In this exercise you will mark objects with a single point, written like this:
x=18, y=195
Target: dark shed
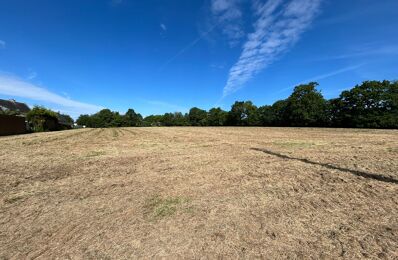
x=12, y=125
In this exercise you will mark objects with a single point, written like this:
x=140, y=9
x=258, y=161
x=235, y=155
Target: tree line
x=373, y=104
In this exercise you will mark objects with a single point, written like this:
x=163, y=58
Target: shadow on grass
x=367, y=175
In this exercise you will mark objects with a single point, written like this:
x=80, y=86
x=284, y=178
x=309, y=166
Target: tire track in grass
x=35, y=136
x=120, y=132
x=62, y=137
x=82, y=138
x=115, y=133
x=129, y=131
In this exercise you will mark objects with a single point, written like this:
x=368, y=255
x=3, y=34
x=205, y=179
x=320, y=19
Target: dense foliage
x=41, y=119
x=108, y=118
x=373, y=104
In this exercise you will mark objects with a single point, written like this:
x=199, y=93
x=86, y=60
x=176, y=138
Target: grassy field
x=199, y=192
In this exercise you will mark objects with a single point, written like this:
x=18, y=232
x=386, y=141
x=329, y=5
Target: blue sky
x=78, y=56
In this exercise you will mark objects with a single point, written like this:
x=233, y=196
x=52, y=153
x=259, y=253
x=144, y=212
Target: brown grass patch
x=221, y=193
x=158, y=207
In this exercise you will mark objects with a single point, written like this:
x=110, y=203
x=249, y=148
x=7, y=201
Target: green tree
x=131, y=118
x=217, y=117
x=84, y=120
x=168, y=119
x=306, y=106
x=243, y=114
x=117, y=121
x=175, y=119
x=279, y=111
x=103, y=118
x=181, y=119
x=41, y=119
x=266, y=115
x=373, y=104
x=197, y=117
x=153, y=120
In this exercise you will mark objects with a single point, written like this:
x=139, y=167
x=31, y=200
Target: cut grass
x=22, y=195
x=297, y=144
x=13, y=199
x=115, y=133
x=185, y=192
x=95, y=153
x=158, y=207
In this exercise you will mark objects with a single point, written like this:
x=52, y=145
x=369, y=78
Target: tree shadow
x=367, y=175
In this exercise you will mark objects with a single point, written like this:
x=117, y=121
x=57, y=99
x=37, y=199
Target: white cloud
x=365, y=51
x=278, y=27
x=186, y=48
x=324, y=76
x=163, y=27
x=332, y=73
x=2, y=44
x=228, y=15
x=15, y=87
x=225, y=12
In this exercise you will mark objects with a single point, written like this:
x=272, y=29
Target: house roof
x=63, y=120
x=12, y=105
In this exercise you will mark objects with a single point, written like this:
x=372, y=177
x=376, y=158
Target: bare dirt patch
x=199, y=192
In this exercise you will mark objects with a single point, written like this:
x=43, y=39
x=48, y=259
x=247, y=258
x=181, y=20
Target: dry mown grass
x=199, y=192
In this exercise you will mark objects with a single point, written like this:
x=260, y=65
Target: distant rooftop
x=13, y=105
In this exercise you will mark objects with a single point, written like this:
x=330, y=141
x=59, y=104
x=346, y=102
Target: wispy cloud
x=324, y=76
x=163, y=27
x=2, y=44
x=278, y=27
x=187, y=47
x=228, y=13
x=12, y=86
x=331, y=74
x=364, y=52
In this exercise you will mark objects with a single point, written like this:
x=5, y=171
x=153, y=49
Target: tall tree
x=104, y=118
x=243, y=114
x=153, y=120
x=373, y=104
x=180, y=119
x=175, y=119
x=279, y=111
x=306, y=106
x=131, y=118
x=217, y=117
x=266, y=115
x=84, y=120
x=197, y=117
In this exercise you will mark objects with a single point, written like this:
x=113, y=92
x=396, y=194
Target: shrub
x=41, y=119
